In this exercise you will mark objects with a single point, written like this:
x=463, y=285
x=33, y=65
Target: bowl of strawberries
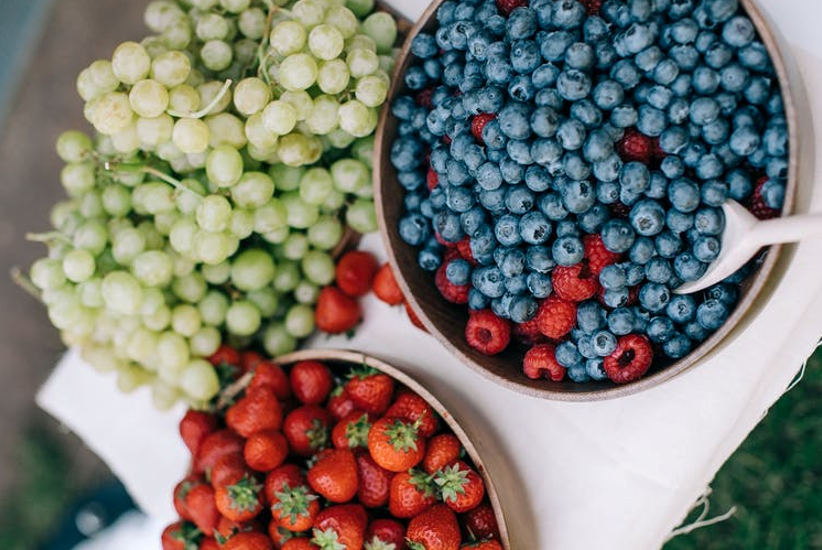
x=330, y=450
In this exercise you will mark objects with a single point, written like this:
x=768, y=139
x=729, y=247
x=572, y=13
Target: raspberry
x=479, y=122
x=424, y=98
x=656, y=150
x=556, y=317
x=464, y=248
x=541, y=361
x=432, y=179
x=593, y=6
x=597, y=255
x=487, y=333
x=634, y=146
x=619, y=210
x=758, y=207
x=528, y=332
x=415, y=320
x=451, y=292
x=507, y=6
x=576, y=283
x=442, y=241
x=631, y=359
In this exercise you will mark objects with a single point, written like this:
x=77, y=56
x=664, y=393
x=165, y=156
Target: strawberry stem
x=244, y=494
x=403, y=436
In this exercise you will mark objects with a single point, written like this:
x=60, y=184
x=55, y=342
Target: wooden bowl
x=340, y=361
x=447, y=321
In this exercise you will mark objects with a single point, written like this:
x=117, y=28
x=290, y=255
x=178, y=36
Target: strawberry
x=279, y=536
x=215, y=446
x=576, y=283
x=179, y=536
x=202, y=508
x=209, y=543
x=355, y=272
x=250, y=359
x=631, y=359
x=374, y=481
x=240, y=500
x=352, y=431
x=306, y=429
x=483, y=545
x=341, y=527
x=340, y=404
x=507, y=6
x=481, y=522
x=395, y=444
x=541, y=361
x=225, y=355
x=411, y=493
x=487, y=333
x=259, y=410
x=227, y=469
x=248, y=540
x=431, y=179
x=336, y=312
x=414, y=318
x=287, y=475
x=634, y=147
x=195, y=427
x=180, y=492
x=443, y=450
x=479, y=122
x=757, y=205
x=385, y=286
x=334, y=475
x=370, y=390
x=295, y=508
x=597, y=255
x=272, y=375
x=410, y=406
x=556, y=317
x=383, y=532
x=265, y=450
x=311, y=382
x=461, y=486
x=434, y=529
x=227, y=528
x=456, y=294
x=299, y=543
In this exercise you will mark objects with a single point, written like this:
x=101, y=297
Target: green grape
x=184, y=99
x=187, y=202
x=242, y=223
x=366, y=192
x=357, y=119
x=185, y=320
x=278, y=236
x=153, y=198
x=205, y=342
x=78, y=178
x=251, y=95
x=216, y=274
x=154, y=46
x=258, y=135
x=211, y=91
x=214, y=213
x=301, y=101
x=295, y=246
x=132, y=377
x=287, y=277
x=326, y=42
x=100, y=357
x=301, y=215
x=90, y=293
x=91, y=236
x=360, y=8
x=152, y=132
x=333, y=76
x=122, y=293
x=342, y=19
x=387, y=64
x=158, y=320
x=372, y=91
x=64, y=216
x=74, y=146
x=362, y=216
x=235, y=6
x=334, y=203
x=47, y=274
x=297, y=149
x=381, y=27
x=190, y=288
x=362, y=62
x=243, y=318
x=316, y=186
x=148, y=98
x=153, y=299
x=224, y=166
x=277, y=341
x=166, y=151
x=212, y=248
x=361, y=42
x=253, y=269
x=141, y=346
x=164, y=221
x=130, y=62
x=153, y=268
x=102, y=77
x=363, y=150
x=309, y=12
x=299, y=321
x=271, y=217
x=288, y=38
x=163, y=396
x=211, y=26
x=171, y=68
x=266, y=300
x=279, y=117
x=216, y=55
x=286, y=178
x=226, y=129
x=126, y=141
x=79, y=266
x=326, y=233
x=191, y=135
x=253, y=190
x=245, y=53
x=340, y=139
x=306, y=293
x=324, y=116
x=298, y=72
x=178, y=36
x=65, y=313
x=199, y=380
x=349, y=175
x=252, y=23
x=182, y=234
x=318, y=267
x=213, y=308
x=154, y=240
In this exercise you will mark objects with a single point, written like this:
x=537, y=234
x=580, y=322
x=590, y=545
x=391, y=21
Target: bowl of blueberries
x=550, y=172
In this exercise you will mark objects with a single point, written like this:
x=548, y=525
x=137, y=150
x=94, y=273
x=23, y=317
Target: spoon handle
x=790, y=229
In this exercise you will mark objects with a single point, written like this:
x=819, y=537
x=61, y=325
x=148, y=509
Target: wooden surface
x=447, y=321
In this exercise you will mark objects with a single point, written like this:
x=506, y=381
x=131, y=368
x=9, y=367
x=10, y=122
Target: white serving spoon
x=744, y=235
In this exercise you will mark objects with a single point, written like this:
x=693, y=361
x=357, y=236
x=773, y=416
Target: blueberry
x=585, y=345
x=709, y=167
x=521, y=88
x=429, y=259
x=740, y=186
x=726, y=293
x=660, y=330
x=575, y=166
x=718, y=55
x=678, y=346
x=571, y=134
x=754, y=57
x=688, y=268
x=539, y=285
x=416, y=78
x=458, y=272
x=544, y=122
x=679, y=111
x=608, y=94
x=598, y=146
x=489, y=176
x=496, y=24
x=684, y=195
x=679, y=222
x=406, y=154
x=499, y=71
x=538, y=259
x=709, y=221
x=578, y=196
x=412, y=202
x=659, y=97
x=502, y=305
x=658, y=270
x=594, y=29
x=716, y=132
x=552, y=206
x=568, y=355
x=608, y=192
x=448, y=226
x=490, y=99
x=537, y=179
x=773, y=194
x=568, y=251
x=608, y=169
x=684, y=31
x=519, y=151
x=654, y=297
x=457, y=172
x=621, y=321
x=712, y=314
x=573, y=85
x=604, y=343
x=522, y=24
x=704, y=110
x=635, y=177
x=459, y=199
x=580, y=56
x=685, y=56
x=512, y=171
x=658, y=188
x=624, y=116
x=734, y=77
x=706, y=249
x=738, y=32
x=506, y=230
x=647, y=217
x=673, y=140
x=666, y=72
x=546, y=152
x=595, y=368
x=626, y=74
x=606, y=55
x=568, y=14
x=489, y=281
x=523, y=309
x=758, y=91
x=776, y=140
x=535, y=228
x=477, y=300
x=681, y=309
x=514, y=121
x=555, y=44
x=618, y=236
x=478, y=45
x=593, y=219
x=696, y=332
x=744, y=141
x=642, y=251
x=613, y=277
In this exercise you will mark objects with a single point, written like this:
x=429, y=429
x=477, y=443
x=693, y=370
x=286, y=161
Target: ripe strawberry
x=634, y=147
x=259, y=410
x=340, y=404
x=395, y=444
x=386, y=288
x=540, y=361
x=461, y=486
x=528, y=333
x=411, y=493
x=383, y=532
x=507, y=6
x=299, y=543
x=202, y=508
x=556, y=317
x=456, y=294
x=434, y=529
x=272, y=375
x=287, y=475
x=576, y=283
x=443, y=450
x=194, y=427
x=483, y=545
x=215, y=446
x=593, y=6
x=412, y=316
x=355, y=272
x=757, y=205
x=265, y=450
x=248, y=540
x=250, y=359
x=340, y=527
x=311, y=382
x=487, y=333
x=241, y=500
x=306, y=429
x=228, y=468
x=374, y=481
x=432, y=179
x=179, y=536
x=631, y=359
x=410, y=406
x=370, y=390
x=352, y=431
x=334, y=475
x=279, y=536
x=180, y=492
x=336, y=312
x=479, y=122
x=295, y=508
x=597, y=255
x=209, y=543
x=225, y=355
x=481, y=522
x=227, y=528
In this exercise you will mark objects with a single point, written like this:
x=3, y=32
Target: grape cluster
x=232, y=149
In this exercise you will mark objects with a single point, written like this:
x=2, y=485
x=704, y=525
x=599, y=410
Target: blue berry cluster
x=558, y=91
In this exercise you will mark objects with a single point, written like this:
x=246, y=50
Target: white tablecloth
x=619, y=474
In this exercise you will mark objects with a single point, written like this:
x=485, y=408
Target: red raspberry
x=597, y=255
x=456, y=294
x=632, y=359
x=432, y=179
x=656, y=150
x=634, y=146
x=464, y=248
x=479, y=122
x=487, y=333
x=556, y=317
x=443, y=242
x=758, y=207
x=593, y=6
x=528, y=332
x=424, y=98
x=576, y=283
x=619, y=210
x=413, y=318
x=507, y=6
x=540, y=361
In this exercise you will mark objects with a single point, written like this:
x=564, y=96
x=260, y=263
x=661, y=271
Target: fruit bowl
x=447, y=321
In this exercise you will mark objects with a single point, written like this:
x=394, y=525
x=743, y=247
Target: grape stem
x=125, y=167
x=21, y=280
x=207, y=109
x=47, y=237
x=227, y=395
